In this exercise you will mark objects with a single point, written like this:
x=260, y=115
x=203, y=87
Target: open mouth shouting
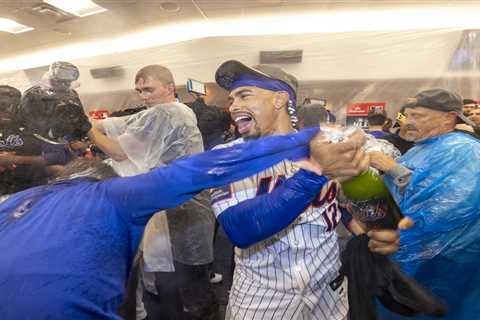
x=244, y=121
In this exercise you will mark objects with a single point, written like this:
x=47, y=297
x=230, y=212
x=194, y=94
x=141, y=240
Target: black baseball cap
x=440, y=100
x=231, y=70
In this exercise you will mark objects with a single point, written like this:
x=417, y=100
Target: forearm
x=24, y=160
x=261, y=217
x=107, y=145
x=400, y=175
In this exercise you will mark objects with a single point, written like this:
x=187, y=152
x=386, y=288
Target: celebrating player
x=293, y=274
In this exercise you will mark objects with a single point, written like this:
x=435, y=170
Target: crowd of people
x=99, y=216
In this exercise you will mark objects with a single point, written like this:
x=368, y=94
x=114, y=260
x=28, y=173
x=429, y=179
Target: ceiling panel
x=128, y=15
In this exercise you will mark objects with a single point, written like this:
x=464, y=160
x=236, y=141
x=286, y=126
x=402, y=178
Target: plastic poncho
x=442, y=250
x=153, y=138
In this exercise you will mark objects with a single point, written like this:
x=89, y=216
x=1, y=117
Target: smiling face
x=423, y=123
x=475, y=112
x=257, y=111
x=467, y=108
x=153, y=91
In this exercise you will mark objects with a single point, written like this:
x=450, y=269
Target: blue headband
x=248, y=80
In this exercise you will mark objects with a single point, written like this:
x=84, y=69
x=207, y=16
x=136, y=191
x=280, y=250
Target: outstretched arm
x=140, y=196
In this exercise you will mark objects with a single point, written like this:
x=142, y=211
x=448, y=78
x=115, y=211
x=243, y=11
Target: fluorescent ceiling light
x=317, y=22
x=80, y=8
x=11, y=26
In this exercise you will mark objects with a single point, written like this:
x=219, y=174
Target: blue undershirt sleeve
x=261, y=217
x=139, y=197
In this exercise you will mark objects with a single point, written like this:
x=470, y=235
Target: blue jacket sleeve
x=139, y=197
x=258, y=218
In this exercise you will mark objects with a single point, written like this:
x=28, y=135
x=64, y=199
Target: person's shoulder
x=35, y=90
x=229, y=144
x=462, y=138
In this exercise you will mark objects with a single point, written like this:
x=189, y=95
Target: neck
x=283, y=125
x=375, y=128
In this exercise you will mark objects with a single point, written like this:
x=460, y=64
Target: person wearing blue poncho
x=437, y=184
x=66, y=247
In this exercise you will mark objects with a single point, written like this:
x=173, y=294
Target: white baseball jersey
x=293, y=274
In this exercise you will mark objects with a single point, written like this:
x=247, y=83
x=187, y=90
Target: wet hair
x=311, y=115
x=157, y=72
x=86, y=168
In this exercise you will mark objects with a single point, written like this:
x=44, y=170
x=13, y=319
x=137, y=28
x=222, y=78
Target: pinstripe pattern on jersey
x=287, y=276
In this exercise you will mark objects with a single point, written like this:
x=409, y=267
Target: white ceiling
x=125, y=16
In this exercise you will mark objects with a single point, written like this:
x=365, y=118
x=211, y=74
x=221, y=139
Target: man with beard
x=67, y=246
x=295, y=273
x=437, y=184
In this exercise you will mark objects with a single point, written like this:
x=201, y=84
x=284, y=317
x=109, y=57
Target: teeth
x=240, y=118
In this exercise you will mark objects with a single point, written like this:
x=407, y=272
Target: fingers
x=309, y=165
x=382, y=248
x=348, y=164
x=405, y=223
x=384, y=241
x=357, y=138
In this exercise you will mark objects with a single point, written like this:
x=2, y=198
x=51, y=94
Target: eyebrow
x=143, y=88
x=243, y=91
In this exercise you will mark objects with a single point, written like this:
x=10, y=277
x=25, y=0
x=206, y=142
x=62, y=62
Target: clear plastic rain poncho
x=442, y=250
x=150, y=139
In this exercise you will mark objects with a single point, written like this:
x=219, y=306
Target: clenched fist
x=335, y=160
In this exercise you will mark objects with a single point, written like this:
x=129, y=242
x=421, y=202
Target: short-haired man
x=376, y=121
x=177, y=247
x=468, y=106
x=293, y=274
x=311, y=115
x=437, y=184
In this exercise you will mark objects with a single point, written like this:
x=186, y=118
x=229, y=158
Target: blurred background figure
x=23, y=156
x=46, y=108
x=312, y=115
x=212, y=121
x=468, y=106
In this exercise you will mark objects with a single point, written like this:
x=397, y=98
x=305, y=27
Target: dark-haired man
x=295, y=273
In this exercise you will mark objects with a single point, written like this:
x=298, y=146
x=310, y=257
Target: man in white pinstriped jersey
x=293, y=274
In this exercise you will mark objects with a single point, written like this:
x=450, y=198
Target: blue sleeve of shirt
x=258, y=218
x=346, y=217
x=139, y=197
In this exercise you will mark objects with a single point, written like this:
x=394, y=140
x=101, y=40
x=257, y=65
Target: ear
x=280, y=100
x=171, y=88
x=452, y=116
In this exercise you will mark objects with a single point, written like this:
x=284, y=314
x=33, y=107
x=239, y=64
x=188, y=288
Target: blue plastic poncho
x=442, y=250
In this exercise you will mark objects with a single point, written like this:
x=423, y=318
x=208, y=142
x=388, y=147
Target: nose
x=144, y=95
x=234, y=106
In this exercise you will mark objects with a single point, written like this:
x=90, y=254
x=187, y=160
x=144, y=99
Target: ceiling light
x=80, y=8
x=11, y=26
